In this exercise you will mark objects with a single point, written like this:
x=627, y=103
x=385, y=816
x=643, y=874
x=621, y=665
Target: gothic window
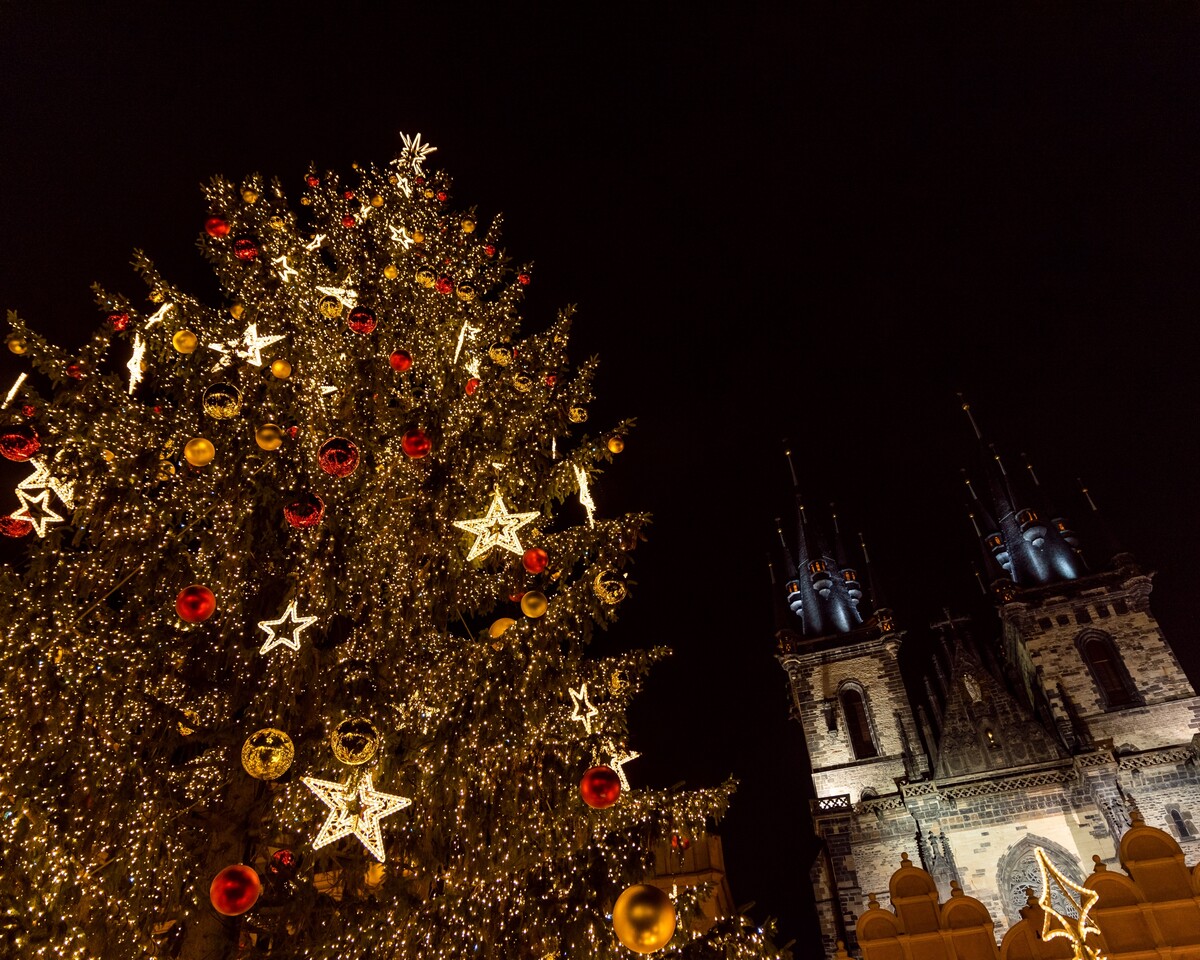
x=1108, y=671
x=817, y=566
x=1182, y=822
x=1018, y=869
x=858, y=722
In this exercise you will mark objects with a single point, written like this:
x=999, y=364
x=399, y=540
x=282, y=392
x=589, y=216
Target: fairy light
x=277, y=637
x=286, y=272
x=13, y=392
x=582, y=709
x=134, y=366
x=346, y=296
x=42, y=517
x=42, y=479
x=585, y=493
x=249, y=346
x=1055, y=924
x=400, y=236
x=315, y=242
x=618, y=761
x=159, y=315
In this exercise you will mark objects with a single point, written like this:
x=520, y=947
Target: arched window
x=858, y=723
x=1108, y=671
x=1182, y=822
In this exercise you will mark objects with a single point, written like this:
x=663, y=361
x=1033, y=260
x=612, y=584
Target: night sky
x=811, y=221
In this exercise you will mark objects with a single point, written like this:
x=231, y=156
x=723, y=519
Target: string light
x=44, y=515
x=585, y=493
x=414, y=153
x=618, y=761
x=279, y=638
x=159, y=315
x=355, y=807
x=582, y=709
x=15, y=387
x=344, y=295
x=286, y=272
x=41, y=479
x=135, y=362
x=1075, y=929
x=496, y=528
x=249, y=346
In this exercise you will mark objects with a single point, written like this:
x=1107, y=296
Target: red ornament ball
x=245, y=249
x=19, y=442
x=313, y=180
x=195, y=604
x=305, y=511
x=472, y=386
x=235, y=890
x=415, y=443
x=12, y=527
x=516, y=596
x=444, y=285
x=338, y=457
x=418, y=180
x=29, y=410
x=75, y=371
x=490, y=249
x=348, y=194
x=441, y=195
x=348, y=221
x=523, y=279
x=600, y=787
x=551, y=379
x=283, y=864
x=216, y=227
x=119, y=320
x=680, y=843
x=361, y=320
x=535, y=559
x=293, y=432
x=400, y=360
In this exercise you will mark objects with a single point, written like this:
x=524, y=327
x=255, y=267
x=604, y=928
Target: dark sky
x=807, y=220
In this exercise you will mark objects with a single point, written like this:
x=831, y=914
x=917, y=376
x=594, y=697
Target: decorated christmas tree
x=295, y=661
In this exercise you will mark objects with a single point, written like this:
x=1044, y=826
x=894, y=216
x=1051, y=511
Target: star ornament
x=354, y=808
x=277, y=635
x=42, y=517
x=496, y=528
x=135, y=366
x=1076, y=929
x=582, y=709
x=249, y=346
x=41, y=479
x=618, y=761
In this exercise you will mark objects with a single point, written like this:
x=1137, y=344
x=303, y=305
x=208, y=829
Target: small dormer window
x=995, y=541
x=1027, y=516
x=816, y=566
x=850, y=576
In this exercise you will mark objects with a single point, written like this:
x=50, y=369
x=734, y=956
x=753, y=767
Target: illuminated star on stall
x=1077, y=928
x=42, y=517
x=354, y=808
x=249, y=346
x=277, y=635
x=496, y=528
x=582, y=709
x=134, y=366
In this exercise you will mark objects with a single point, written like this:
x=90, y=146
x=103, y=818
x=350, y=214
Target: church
x=1041, y=729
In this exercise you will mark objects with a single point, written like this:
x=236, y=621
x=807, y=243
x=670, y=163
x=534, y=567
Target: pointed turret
x=849, y=575
x=879, y=605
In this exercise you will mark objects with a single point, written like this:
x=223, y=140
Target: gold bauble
x=192, y=722
x=237, y=310
x=249, y=195
x=393, y=179
x=615, y=444
x=375, y=874
x=644, y=918
x=199, y=452
x=465, y=292
x=281, y=369
x=468, y=226
x=391, y=271
x=330, y=307
x=500, y=353
x=109, y=456
x=156, y=296
x=534, y=603
x=166, y=470
x=18, y=345
x=577, y=414
x=418, y=236
x=276, y=224
x=306, y=201
x=425, y=277
x=429, y=193
x=268, y=437
x=496, y=630
x=354, y=741
x=267, y=753
x=184, y=341
x=608, y=588
x=222, y=401
x=377, y=201
x=523, y=383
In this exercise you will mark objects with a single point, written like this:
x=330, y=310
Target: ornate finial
x=967, y=410
x=1098, y=865
x=904, y=861
x=873, y=902
x=1029, y=467
x=863, y=544
x=1087, y=494
x=1076, y=929
x=787, y=452
x=1135, y=815
x=955, y=889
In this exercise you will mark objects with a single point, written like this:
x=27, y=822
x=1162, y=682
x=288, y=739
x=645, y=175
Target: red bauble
x=119, y=320
x=293, y=432
x=523, y=279
x=313, y=180
x=415, y=443
x=216, y=227
x=535, y=559
x=490, y=249
x=551, y=379
x=12, y=527
x=600, y=787
x=361, y=320
x=338, y=457
x=418, y=180
x=235, y=890
x=305, y=511
x=472, y=385
x=75, y=371
x=29, y=410
x=348, y=221
x=245, y=249
x=283, y=864
x=680, y=843
x=516, y=596
x=444, y=285
x=348, y=194
x=400, y=360
x=19, y=442
x=441, y=195
x=195, y=604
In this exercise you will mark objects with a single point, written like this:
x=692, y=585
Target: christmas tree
x=295, y=663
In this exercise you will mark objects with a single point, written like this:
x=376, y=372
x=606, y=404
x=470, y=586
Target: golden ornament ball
x=249, y=195
x=191, y=721
x=534, y=603
x=268, y=437
x=418, y=236
x=306, y=201
x=276, y=224
x=281, y=369
x=391, y=271
x=184, y=341
x=429, y=193
x=496, y=630
x=500, y=353
x=268, y=753
x=354, y=741
x=375, y=874
x=237, y=310
x=109, y=456
x=577, y=414
x=166, y=470
x=468, y=226
x=425, y=277
x=644, y=918
x=17, y=345
x=222, y=401
x=330, y=307
x=615, y=444
x=465, y=292
x=393, y=179
x=156, y=296
x=608, y=588
x=377, y=201
x=523, y=383
x=199, y=452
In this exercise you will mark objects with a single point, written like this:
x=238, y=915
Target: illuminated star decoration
x=41, y=479
x=159, y=315
x=314, y=243
x=134, y=366
x=414, y=153
x=286, y=272
x=400, y=235
x=1077, y=928
x=585, y=494
x=618, y=761
x=40, y=520
x=466, y=331
x=354, y=808
x=13, y=392
x=249, y=346
x=496, y=528
x=276, y=637
x=346, y=297
x=582, y=709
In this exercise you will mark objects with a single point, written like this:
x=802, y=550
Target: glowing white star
x=134, y=366
x=13, y=392
x=1075, y=929
x=159, y=315
x=354, y=808
x=277, y=637
x=314, y=243
x=43, y=518
x=400, y=235
x=346, y=297
x=41, y=479
x=618, y=761
x=496, y=528
x=582, y=709
x=286, y=272
x=585, y=494
x=414, y=153
x=249, y=346
x=467, y=331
